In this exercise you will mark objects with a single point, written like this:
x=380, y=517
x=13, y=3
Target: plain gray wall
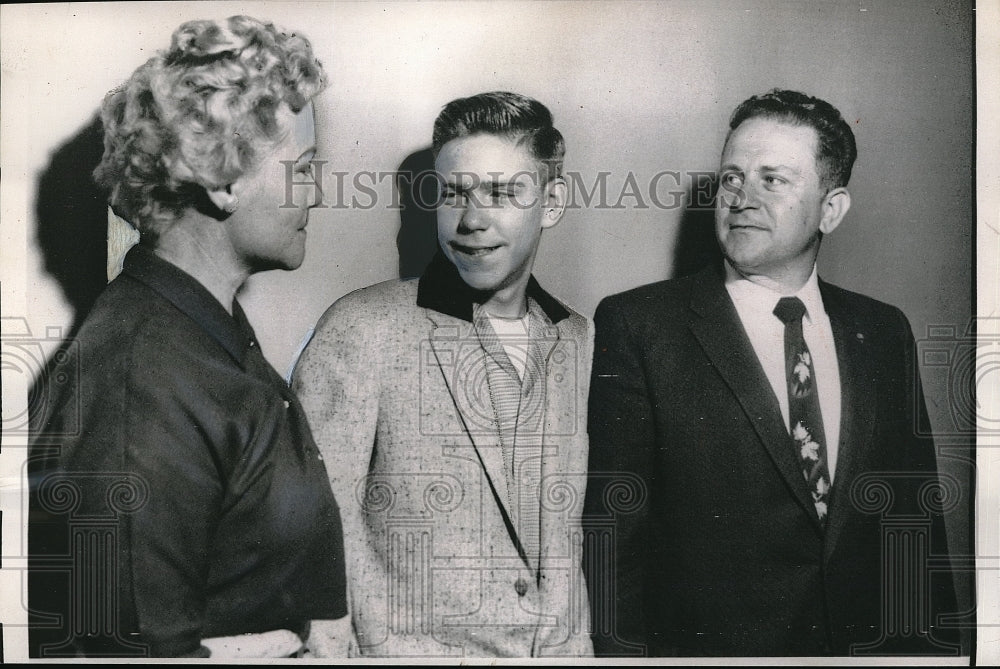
x=636, y=88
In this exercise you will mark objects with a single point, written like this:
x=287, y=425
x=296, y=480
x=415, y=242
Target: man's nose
x=473, y=217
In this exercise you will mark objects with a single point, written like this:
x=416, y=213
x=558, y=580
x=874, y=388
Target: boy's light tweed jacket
x=395, y=391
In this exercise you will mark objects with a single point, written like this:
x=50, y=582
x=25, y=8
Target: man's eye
x=732, y=179
x=305, y=170
x=772, y=180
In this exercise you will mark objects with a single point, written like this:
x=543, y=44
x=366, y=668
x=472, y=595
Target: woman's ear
x=556, y=195
x=223, y=198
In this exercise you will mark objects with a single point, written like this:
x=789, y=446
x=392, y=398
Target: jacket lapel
x=450, y=305
x=857, y=407
x=460, y=361
x=721, y=334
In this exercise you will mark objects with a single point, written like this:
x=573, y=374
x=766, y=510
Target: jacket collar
x=182, y=290
x=441, y=288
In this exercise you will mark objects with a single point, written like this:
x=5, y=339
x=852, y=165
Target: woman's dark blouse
x=175, y=432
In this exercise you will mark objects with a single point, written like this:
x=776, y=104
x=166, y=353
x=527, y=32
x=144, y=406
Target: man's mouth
x=743, y=225
x=473, y=251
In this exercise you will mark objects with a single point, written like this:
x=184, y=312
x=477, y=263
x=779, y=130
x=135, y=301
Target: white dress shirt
x=513, y=335
x=755, y=306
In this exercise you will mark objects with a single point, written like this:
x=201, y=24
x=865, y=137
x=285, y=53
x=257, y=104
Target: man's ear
x=835, y=206
x=556, y=194
x=223, y=198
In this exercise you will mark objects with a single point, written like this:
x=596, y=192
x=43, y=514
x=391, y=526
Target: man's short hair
x=525, y=120
x=835, y=150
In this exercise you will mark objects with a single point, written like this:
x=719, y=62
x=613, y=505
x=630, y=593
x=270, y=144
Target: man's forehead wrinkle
x=756, y=160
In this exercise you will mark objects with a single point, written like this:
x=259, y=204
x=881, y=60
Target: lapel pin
x=860, y=337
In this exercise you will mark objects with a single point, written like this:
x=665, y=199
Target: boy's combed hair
x=200, y=115
x=523, y=119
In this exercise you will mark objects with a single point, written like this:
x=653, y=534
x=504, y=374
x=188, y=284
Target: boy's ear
x=556, y=194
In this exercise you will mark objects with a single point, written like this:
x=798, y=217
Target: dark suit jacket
x=702, y=537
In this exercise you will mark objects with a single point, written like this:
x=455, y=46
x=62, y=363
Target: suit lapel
x=857, y=407
x=724, y=340
x=459, y=358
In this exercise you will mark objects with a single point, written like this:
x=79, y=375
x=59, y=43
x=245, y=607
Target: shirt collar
x=182, y=290
x=759, y=298
x=441, y=288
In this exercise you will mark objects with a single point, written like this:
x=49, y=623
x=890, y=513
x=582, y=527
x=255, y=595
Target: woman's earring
x=232, y=205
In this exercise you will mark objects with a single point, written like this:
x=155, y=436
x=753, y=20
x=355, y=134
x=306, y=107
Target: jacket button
x=521, y=586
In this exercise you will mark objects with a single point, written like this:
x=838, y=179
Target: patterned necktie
x=804, y=418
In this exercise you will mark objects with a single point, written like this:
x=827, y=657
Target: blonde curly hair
x=200, y=115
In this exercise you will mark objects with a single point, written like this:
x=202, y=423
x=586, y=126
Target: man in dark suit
x=756, y=483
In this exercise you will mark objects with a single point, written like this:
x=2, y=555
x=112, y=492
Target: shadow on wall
x=71, y=233
x=696, y=244
x=72, y=221
x=418, y=187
